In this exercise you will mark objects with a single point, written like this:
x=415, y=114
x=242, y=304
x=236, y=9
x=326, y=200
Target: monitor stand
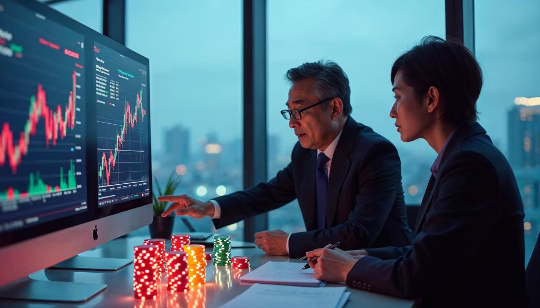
x=50, y=291
x=92, y=264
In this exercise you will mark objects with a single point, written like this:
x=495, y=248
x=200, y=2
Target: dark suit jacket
x=532, y=278
x=365, y=206
x=468, y=248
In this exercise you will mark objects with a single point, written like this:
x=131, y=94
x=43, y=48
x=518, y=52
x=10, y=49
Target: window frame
x=459, y=25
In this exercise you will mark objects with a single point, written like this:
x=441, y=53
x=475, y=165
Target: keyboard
x=199, y=236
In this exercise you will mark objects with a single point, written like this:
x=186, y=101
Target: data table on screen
x=121, y=86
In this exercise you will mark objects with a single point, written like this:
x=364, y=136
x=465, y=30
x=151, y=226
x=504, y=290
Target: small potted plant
x=162, y=227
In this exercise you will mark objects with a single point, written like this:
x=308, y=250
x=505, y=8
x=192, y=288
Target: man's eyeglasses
x=297, y=113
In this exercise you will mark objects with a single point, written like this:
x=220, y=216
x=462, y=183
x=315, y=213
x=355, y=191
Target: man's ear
x=336, y=107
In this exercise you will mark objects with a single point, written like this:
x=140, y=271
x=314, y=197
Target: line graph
x=29, y=140
x=55, y=125
x=42, y=121
x=122, y=127
x=130, y=119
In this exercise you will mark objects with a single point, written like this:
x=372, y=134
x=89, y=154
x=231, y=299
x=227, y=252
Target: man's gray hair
x=331, y=81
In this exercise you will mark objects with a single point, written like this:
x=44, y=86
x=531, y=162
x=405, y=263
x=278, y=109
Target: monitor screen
x=74, y=139
x=74, y=125
x=43, y=120
x=122, y=126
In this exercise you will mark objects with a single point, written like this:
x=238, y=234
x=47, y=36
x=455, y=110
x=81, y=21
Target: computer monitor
x=74, y=143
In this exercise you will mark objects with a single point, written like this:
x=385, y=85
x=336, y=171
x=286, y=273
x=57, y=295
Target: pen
x=315, y=259
x=304, y=258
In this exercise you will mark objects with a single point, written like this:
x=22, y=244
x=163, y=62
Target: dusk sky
x=195, y=51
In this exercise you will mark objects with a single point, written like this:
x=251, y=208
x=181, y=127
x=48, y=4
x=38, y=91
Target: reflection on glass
x=140, y=303
x=196, y=94
x=507, y=49
x=237, y=273
x=87, y=12
x=177, y=299
x=197, y=297
x=365, y=56
x=223, y=277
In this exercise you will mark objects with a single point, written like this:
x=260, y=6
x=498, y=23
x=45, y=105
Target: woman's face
x=411, y=114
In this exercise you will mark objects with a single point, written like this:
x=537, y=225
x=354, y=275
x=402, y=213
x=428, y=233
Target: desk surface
x=222, y=285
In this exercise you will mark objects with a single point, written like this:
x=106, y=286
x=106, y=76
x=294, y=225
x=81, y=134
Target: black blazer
x=532, y=277
x=468, y=248
x=365, y=206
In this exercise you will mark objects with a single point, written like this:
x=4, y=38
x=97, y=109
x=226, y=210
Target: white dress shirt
x=329, y=152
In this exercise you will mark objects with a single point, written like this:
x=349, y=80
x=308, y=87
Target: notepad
x=283, y=273
x=272, y=296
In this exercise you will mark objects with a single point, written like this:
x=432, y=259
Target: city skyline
x=195, y=51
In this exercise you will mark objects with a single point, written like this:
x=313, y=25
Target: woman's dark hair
x=451, y=68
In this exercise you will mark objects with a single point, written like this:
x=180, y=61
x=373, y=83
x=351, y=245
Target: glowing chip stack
x=161, y=254
x=222, y=250
x=196, y=264
x=240, y=262
x=177, y=271
x=178, y=241
x=145, y=272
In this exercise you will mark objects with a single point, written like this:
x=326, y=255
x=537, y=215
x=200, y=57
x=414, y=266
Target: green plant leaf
x=170, y=187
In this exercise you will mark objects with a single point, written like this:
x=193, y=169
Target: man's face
x=315, y=127
x=412, y=117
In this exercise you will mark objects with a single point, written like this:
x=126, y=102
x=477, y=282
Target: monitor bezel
x=93, y=212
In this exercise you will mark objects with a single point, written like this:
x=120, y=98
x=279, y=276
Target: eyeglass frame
x=291, y=114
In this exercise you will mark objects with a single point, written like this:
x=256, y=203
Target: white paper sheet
x=343, y=300
x=272, y=296
x=282, y=273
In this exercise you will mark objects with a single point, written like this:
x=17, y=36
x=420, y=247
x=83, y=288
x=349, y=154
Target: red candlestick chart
x=42, y=121
x=130, y=119
x=122, y=127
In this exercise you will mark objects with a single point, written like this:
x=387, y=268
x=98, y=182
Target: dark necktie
x=321, y=186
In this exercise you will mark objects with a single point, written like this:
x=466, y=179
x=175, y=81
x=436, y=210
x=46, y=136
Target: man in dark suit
x=347, y=178
x=468, y=246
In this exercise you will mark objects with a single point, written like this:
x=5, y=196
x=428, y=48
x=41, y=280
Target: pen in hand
x=304, y=258
x=315, y=259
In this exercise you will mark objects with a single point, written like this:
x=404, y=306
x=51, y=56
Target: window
x=364, y=38
x=507, y=47
x=195, y=52
x=87, y=12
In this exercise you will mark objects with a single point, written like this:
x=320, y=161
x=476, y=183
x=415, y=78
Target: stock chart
x=42, y=109
x=122, y=126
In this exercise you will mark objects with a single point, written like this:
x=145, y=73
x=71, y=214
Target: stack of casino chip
x=177, y=271
x=240, y=262
x=222, y=250
x=145, y=271
x=161, y=253
x=196, y=264
x=178, y=241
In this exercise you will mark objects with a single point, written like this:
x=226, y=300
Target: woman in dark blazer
x=468, y=246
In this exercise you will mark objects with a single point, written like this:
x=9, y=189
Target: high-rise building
x=274, y=153
x=524, y=151
x=177, y=144
x=524, y=136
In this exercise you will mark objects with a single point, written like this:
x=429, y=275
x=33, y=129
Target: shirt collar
x=329, y=151
x=435, y=166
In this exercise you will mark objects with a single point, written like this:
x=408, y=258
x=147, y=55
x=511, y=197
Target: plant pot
x=161, y=227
